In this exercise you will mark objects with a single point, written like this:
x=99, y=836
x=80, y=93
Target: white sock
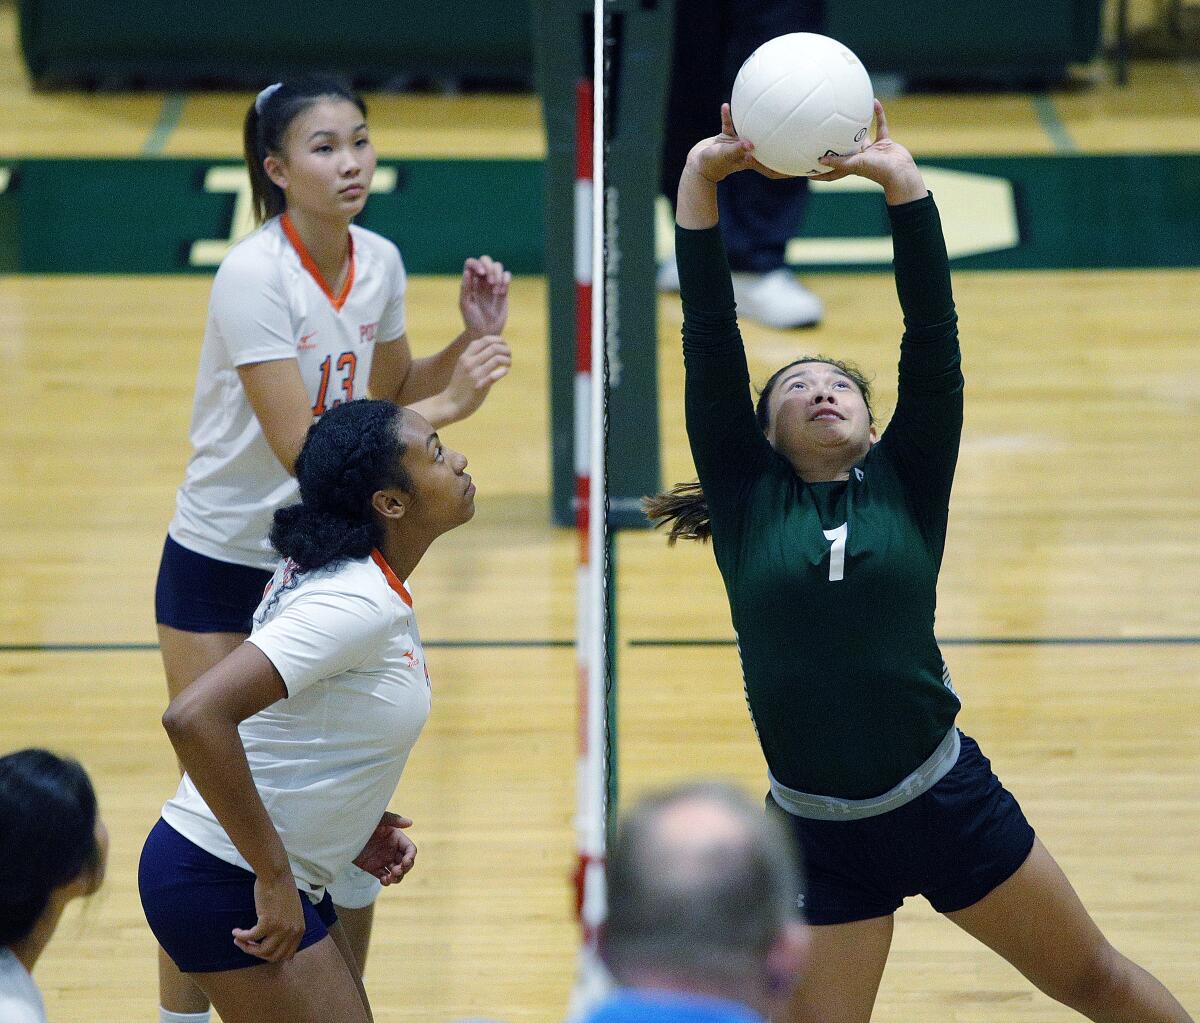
x=167, y=1016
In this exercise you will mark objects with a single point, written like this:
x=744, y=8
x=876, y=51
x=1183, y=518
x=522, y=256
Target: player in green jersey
x=829, y=536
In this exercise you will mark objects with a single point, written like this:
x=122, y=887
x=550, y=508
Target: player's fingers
x=276, y=949
x=881, y=125
x=495, y=362
x=259, y=949
x=766, y=171
x=488, y=374
x=253, y=934
x=475, y=348
x=495, y=345
x=251, y=948
x=394, y=820
x=727, y=127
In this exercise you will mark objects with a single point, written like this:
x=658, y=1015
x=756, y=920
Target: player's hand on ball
x=389, y=853
x=714, y=159
x=885, y=162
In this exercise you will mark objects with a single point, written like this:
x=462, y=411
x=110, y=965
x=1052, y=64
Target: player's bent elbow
x=181, y=720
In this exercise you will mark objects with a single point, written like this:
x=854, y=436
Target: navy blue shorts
x=953, y=845
x=196, y=593
x=193, y=901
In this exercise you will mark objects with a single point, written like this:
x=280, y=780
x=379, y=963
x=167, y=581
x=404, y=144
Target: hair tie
x=261, y=99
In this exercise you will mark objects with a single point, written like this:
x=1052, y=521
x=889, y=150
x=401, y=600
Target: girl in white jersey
x=294, y=743
x=306, y=313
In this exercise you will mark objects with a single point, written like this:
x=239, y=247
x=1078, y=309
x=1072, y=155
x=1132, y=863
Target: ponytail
x=313, y=538
x=267, y=197
x=685, y=508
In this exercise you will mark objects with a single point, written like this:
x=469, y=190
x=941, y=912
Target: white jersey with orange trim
x=327, y=758
x=269, y=302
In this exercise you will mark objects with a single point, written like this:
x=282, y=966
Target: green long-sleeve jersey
x=832, y=586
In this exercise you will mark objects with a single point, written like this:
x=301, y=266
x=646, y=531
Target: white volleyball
x=799, y=97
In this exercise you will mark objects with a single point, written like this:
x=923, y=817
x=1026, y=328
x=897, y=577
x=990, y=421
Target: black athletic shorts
x=196, y=593
x=953, y=845
x=193, y=901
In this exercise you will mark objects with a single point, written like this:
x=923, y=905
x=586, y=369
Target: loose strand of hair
x=685, y=509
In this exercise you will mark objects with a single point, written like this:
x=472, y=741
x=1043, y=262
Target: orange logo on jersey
x=366, y=332
x=305, y=341
x=410, y=658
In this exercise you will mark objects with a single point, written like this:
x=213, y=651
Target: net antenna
x=591, y=520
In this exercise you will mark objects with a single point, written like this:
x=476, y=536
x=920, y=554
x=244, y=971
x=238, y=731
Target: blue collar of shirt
x=658, y=1006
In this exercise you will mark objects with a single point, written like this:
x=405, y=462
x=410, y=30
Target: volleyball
x=799, y=97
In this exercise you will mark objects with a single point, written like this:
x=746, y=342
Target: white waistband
x=831, y=808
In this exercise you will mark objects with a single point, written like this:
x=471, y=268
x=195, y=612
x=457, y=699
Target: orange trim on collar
x=310, y=265
x=390, y=576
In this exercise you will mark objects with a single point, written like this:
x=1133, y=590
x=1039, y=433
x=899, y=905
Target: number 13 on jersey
x=346, y=365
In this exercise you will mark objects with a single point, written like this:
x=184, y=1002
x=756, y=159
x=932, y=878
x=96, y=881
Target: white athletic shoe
x=775, y=299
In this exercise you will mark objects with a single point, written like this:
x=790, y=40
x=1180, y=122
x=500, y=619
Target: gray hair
x=699, y=905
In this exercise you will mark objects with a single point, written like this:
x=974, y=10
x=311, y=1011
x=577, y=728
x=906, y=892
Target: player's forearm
x=922, y=270
x=437, y=410
x=210, y=749
x=696, y=201
x=430, y=375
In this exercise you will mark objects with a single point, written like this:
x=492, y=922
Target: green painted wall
x=146, y=216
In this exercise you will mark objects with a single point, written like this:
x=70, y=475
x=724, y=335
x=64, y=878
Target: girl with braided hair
x=294, y=743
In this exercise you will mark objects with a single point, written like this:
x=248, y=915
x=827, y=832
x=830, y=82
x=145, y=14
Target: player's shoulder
x=254, y=260
x=367, y=579
x=354, y=586
x=374, y=246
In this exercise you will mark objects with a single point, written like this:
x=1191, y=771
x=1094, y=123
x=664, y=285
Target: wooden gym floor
x=1069, y=596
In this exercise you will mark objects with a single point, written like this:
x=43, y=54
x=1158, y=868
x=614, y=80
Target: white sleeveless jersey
x=268, y=303
x=326, y=759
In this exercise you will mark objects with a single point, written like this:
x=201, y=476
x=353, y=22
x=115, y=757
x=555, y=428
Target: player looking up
x=829, y=536
x=294, y=743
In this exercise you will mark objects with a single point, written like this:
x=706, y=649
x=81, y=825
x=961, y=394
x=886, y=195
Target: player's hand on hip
x=280, y=926
x=483, y=296
x=389, y=853
x=885, y=162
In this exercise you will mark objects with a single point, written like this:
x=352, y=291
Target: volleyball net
x=604, y=88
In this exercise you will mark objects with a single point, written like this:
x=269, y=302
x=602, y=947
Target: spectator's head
x=702, y=893
x=53, y=845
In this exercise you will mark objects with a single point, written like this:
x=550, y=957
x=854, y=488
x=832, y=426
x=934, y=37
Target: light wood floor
x=1076, y=514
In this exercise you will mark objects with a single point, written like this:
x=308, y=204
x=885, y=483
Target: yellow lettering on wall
x=231, y=180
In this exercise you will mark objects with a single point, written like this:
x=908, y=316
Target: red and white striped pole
x=583, y=311
x=590, y=629
x=590, y=837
